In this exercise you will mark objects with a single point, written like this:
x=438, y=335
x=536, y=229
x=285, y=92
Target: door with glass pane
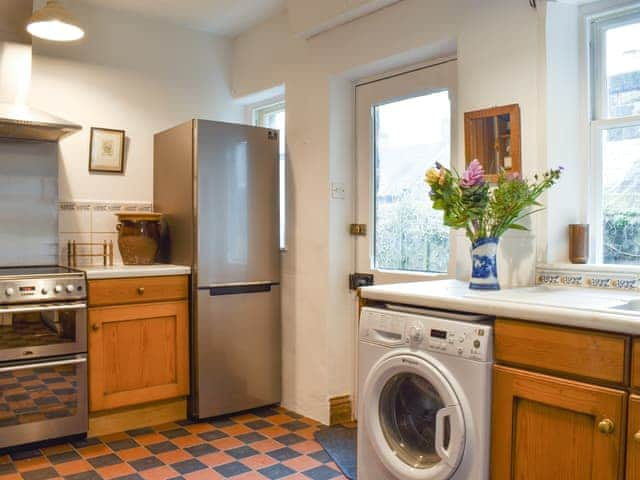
x=404, y=125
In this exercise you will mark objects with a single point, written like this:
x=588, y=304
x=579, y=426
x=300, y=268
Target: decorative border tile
x=106, y=206
x=589, y=279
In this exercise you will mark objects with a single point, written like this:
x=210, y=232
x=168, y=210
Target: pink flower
x=514, y=176
x=473, y=175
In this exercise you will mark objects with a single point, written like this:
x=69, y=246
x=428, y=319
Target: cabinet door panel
x=137, y=354
x=635, y=365
x=546, y=427
x=633, y=443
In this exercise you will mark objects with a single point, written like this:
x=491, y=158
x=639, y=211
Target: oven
x=42, y=330
x=43, y=400
x=43, y=354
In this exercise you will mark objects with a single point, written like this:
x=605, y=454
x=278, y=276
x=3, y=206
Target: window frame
x=257, y=114
x=599, y=120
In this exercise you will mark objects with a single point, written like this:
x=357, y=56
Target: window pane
x=623, y=70
x=621, y=195
x=274, y=117
x=410, y=136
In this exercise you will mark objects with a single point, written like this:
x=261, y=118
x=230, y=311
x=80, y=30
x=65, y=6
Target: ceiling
x=221, y=17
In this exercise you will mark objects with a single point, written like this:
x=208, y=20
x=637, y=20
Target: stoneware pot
x=139, y=237
x=484, y=267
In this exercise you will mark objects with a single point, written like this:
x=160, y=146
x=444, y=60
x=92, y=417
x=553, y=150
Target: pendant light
x=54, y=22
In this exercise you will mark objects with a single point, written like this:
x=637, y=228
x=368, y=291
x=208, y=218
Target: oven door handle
x=72, y=361
x=44, y=308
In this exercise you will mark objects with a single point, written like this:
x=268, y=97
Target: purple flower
x=473, y=175
x=514, y=176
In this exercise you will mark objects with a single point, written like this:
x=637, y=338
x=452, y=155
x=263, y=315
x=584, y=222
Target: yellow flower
x=432, y=176
x=443, y=175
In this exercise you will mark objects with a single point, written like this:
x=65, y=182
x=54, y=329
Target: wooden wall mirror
x=492, y=136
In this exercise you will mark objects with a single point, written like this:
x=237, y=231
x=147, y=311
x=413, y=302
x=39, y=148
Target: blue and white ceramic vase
x=484, y=269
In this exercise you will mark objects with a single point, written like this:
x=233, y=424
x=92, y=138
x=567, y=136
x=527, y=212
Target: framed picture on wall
x=106, y=150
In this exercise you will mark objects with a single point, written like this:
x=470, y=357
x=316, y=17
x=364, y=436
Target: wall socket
x=337, y=190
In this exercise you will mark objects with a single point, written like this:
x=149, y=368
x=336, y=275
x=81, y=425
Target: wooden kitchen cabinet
x=138, y=352
x=635, y=365
x=545, y=427
x=633, y=438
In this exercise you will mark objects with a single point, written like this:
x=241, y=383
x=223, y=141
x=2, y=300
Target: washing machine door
x=413, y=418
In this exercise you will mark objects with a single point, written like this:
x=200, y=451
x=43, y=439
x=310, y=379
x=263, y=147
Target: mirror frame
x=514, y=118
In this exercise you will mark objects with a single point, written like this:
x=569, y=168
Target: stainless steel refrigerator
x=217, y=184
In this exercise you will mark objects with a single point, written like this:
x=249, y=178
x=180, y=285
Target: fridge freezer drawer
x=237, y=348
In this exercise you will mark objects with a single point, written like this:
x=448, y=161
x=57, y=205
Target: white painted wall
x=498, y=49
x=310, y=17
x=131, y=73
x=564, y=128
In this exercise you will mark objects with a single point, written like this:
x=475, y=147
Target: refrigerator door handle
x=239, y=288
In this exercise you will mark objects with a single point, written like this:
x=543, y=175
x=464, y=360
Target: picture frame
x=106, y=150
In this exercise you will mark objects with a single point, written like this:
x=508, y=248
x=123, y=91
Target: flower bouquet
x=486, y=212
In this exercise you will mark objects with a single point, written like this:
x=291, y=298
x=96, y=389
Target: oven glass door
x=44, y=400
x=31, y=331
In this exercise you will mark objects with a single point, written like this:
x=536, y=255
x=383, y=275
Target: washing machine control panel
x=466, y=339
x=473, y=341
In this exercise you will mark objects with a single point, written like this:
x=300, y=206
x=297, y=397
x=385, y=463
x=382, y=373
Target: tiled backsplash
x=582, y=276
x=28, y=195
x=92, y=222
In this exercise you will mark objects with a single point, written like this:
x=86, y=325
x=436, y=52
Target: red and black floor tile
x=266, y=443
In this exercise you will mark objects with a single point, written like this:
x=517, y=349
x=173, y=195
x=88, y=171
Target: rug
x=340, y=444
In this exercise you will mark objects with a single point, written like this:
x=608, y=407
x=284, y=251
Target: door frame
x=406, y=84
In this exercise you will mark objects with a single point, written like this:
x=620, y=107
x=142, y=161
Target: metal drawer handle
x=140, y=290
x=606, y=426
x=636, y=436
x=44, y=364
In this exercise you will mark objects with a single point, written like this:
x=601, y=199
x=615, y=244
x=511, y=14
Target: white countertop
x=571, y=306
x=124, y=271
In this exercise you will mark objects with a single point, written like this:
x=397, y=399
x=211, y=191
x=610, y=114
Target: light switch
x=337, y=190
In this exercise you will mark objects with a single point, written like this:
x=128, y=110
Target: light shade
x=53, y=22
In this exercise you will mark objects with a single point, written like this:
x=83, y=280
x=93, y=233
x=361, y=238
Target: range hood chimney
x=17, y=119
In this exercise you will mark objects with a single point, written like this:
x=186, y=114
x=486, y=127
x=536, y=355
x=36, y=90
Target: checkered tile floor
x=269, y=443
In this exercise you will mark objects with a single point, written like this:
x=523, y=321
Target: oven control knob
x=9, y=291
x=44, y=291
x=70, y=288
x=58, y=289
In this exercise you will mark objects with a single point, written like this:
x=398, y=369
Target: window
x=615, y=138
x=273, y=116
x=410, y=135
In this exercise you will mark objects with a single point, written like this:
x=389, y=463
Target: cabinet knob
x=636, y=437
x=95, y=327
x=606, y=426
x=140, y=290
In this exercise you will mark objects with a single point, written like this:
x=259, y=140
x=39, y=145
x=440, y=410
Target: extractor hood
x=18, y=120
x=26, y=123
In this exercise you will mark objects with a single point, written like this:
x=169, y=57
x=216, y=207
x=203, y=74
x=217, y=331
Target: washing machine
x=424, y=394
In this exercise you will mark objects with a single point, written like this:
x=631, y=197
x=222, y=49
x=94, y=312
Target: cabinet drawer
x=635, y=364
x=118, y=291
x=573, y=352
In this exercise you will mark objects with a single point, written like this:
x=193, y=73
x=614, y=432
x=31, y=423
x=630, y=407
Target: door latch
x=357, y=280
x=359, y=229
